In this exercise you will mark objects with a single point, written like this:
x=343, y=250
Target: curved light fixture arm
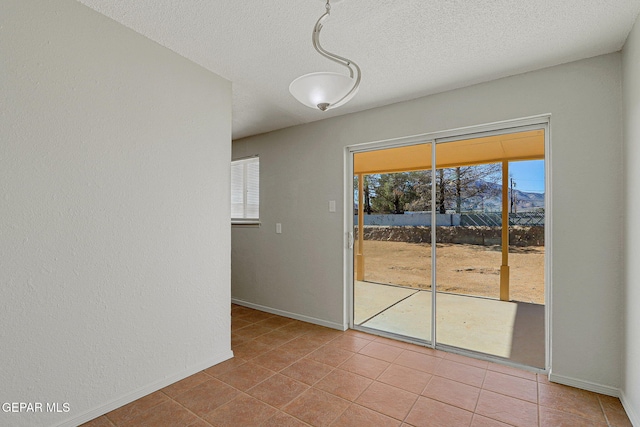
x=352, y=66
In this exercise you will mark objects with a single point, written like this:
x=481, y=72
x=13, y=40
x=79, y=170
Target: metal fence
x=495, y=219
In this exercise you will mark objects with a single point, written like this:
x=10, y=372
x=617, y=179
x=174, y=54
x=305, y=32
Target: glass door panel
x=392, y=254
x=488, y=262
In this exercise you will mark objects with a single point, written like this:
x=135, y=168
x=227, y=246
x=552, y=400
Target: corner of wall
x=630, y=391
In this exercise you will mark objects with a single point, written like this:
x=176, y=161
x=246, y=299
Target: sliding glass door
x=449, y=243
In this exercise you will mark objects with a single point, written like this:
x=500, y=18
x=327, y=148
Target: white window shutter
x=245, y=189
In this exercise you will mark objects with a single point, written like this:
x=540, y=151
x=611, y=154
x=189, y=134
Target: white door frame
x=490, y=129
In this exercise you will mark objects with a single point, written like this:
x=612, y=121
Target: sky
x=528, y=175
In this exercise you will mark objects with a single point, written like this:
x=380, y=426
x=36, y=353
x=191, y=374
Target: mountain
x=490, y=199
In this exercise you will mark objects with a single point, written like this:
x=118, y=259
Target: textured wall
x=301, y=270
x=631, y=353
x=114, y=213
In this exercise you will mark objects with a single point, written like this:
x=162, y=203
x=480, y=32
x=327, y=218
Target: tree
x=422, y=187
x=456, y=188
x=367, y=182
x=472, y=182
x=441, y=191
x=394, y=192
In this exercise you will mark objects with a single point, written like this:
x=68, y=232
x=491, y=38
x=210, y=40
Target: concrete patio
x=510, y=330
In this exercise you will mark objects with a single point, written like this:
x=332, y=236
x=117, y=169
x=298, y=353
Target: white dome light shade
x=323, y=88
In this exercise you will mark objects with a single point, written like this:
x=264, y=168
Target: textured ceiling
x=406, y=48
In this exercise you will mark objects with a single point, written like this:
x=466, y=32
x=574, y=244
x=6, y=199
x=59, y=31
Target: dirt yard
x=464, y=269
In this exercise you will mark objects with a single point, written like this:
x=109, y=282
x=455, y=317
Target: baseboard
x=633, y=416
x=308, y=319
x=585, y=385
x=143, y=391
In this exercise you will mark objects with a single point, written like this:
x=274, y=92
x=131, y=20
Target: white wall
x=114, y=213
x=631, y=351
x=301, y=270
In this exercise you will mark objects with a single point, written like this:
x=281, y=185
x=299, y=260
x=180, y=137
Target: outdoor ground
x=463, y=269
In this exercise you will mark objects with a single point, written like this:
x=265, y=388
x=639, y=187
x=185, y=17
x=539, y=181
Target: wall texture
x=301, y=270
x=114, y=213
x=631, y=351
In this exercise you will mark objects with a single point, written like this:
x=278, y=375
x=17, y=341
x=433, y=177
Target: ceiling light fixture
x=326, y=90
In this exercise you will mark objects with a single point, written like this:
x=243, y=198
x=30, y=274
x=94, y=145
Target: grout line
x=606, y=418
x=538, y=401
x=484, y=378
x=189, y=410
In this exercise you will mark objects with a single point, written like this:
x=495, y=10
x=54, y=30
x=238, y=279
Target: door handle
x=350, y=239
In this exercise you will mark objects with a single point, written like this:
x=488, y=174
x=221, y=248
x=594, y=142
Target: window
x=245, y=190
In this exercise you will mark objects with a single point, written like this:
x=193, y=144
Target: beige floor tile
x=275, y=322
x=323, y=336
x=207, y=396
x=381, y=351
x=466, y=360
x=252, y=331
x=278, y=390
x=238, y=323
x=359, y=416
x=282, y=419
x=453, y=393
x=300, y=346
x=569, y=399
x=344, y=384
x=405, y=378
x=387, y=400
x=317, y=407
x=614, y=411
x=244, y=410
x=420, y=361
x=253, y=316
x=307, y=371
x=480, y=421
x=511, y=386
x=169, y=413
x=276, y=360
x=275, y=338
x=186, y=384
x=297, y=327
x=430, y=413
x=553, y=418
x=460, y=372
x=359, y=334
x=246, y=376
x=332, y=356
x=516, y=372
x=507, y=409
x=364, y=365
x=250, y=349
x=135, y=408
x=225, y=366
x=349, y=342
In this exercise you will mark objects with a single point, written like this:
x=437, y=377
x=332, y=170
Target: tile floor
x=290, y=373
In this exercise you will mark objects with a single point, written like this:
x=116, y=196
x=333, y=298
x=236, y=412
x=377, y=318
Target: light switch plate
x=332, y=205
x=278, y=228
